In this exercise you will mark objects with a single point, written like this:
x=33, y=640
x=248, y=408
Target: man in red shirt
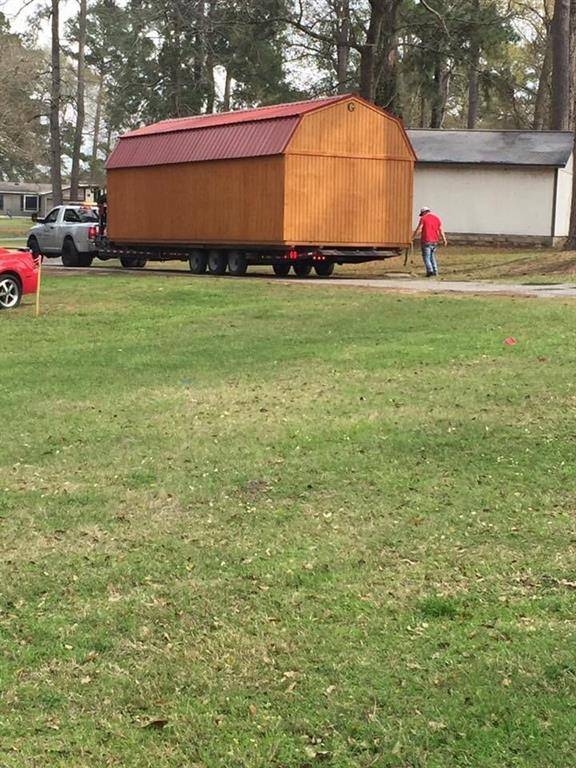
x=431, y=232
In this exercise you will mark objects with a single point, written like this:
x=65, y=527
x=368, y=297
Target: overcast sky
x=19, y=13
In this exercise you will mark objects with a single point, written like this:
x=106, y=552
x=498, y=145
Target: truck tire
x=198, y=261
x=324, y=268
x=70, y=255
x=217, y=262
x=33, y=247
x=237, y=263
x=281, y=268
x=302, y=268
x=133, y=262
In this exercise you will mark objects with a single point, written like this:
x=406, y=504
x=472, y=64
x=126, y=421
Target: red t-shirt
x=431, y=226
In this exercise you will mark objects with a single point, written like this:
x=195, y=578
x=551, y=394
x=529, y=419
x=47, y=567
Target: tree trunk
x=388, y=74
x=55, y=98
x=473, y=71
x=97, y=119
x=342, y=10
x=573, y=64
x=442, y=83
x=540, y=105
x=210, y=83
x=561, y=66
x=422, y=116
x=369, y=51
x=571, y=241
x=79, y=128
x=227, y=92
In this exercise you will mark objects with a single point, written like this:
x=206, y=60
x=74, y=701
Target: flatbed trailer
x=236, y=261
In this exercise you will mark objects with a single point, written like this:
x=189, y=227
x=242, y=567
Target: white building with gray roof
x=496, y=186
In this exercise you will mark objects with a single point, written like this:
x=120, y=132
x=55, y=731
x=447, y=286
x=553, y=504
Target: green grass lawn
x=264, y=526
x=13, y=231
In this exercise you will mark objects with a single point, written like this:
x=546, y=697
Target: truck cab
x=69, y=231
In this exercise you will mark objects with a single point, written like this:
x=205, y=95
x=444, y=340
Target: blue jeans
x=429, y=256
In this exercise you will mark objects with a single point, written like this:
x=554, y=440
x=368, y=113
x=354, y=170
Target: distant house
x=24, y=198
x=499, y=186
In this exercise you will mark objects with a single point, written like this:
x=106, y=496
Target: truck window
x=71, y=217
x=88, y=216
x=52, y=216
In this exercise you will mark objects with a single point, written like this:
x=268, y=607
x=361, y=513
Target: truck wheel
x=85, y=260
x=217, y=263
x=10, y=292
x=324, y=268
x=237, y=263
x=70, y=255
x=302, y=268
x=33, y=247
x=281, y=269
x=198, y=261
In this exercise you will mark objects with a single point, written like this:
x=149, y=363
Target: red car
x=18, y=275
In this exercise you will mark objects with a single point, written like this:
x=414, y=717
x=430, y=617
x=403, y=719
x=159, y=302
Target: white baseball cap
x=424, y=210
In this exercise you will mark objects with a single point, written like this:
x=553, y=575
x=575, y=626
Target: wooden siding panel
x=228, y=201
x=362, y=132
x=348, y=201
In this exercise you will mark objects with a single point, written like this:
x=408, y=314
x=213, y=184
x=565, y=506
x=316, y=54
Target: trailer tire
x=281, y=268
x=324, y=268
x=217, y=262
x=133, y=262
x=237, y=263
x=70, y=255
x=302, y=268
x=197, y=261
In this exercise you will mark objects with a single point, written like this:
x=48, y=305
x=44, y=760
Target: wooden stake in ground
x=38, y=284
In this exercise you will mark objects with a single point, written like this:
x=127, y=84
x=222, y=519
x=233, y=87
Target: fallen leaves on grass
x=156, y=723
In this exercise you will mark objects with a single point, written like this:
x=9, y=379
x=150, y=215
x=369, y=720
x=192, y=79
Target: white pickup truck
x=69, y=231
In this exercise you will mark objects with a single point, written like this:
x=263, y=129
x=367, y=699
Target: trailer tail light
x=293, y=254
x=92, y=233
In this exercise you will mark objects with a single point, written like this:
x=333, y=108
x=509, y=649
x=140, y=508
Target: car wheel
x=302, y=268
x=217, y=262
x=198, y=261
x=70, y=255
x=237, y=263
x=85, y=260
x=281, y=269
x=324, y=268
x=10, y=292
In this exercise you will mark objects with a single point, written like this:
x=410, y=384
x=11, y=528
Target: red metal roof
x=227, y=135
x=223, y=142
x=246, y=133
x=294, y=109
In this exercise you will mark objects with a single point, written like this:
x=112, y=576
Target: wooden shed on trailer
x=329, y=172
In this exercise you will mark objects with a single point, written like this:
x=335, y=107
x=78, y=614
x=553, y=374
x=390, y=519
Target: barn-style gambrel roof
x=224, y=136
